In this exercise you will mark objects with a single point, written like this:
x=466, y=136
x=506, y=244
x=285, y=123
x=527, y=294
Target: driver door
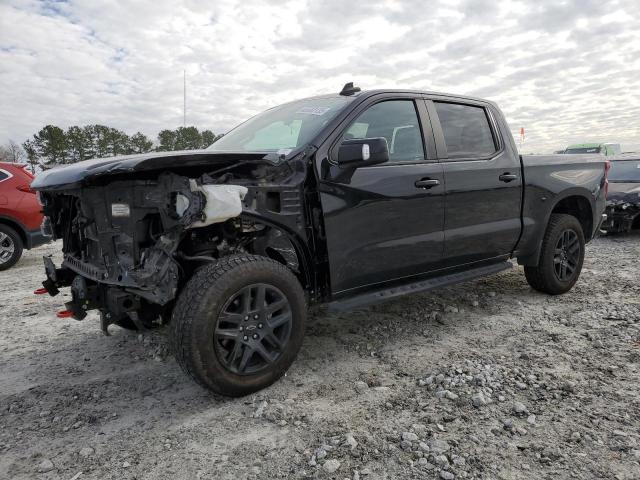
x=385, y=222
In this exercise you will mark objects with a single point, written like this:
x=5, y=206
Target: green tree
x=188, y=138
x=139, y=143
x=89, y=134
x=102, y=144
x=50, y=144
x=79, y=145
x=166, y=140
x=32, y=155
x=118, y=142
x=103, y=141
x=208, y=138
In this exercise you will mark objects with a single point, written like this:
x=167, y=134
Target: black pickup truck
x=345, y=200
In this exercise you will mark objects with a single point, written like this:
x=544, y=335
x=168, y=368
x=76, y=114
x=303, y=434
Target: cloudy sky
x=565, y=71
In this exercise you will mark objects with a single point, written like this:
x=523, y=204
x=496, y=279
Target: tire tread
x=188, y=304
x=540, y=277
x=18, y=246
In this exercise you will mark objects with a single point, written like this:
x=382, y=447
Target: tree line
x=53, y=145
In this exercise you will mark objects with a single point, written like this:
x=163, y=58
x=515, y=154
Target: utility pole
x=184, y=101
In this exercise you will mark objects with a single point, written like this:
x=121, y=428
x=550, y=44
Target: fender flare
x=532, y=258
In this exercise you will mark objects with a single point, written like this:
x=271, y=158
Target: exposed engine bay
x=622, y=216
x=131, y=243
x=623, y=208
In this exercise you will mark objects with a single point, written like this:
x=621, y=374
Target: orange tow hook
x=40, y=291
x=64, y=314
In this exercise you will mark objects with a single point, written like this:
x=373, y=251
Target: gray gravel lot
x=485, y=380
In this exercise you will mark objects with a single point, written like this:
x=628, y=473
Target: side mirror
x=361, y=152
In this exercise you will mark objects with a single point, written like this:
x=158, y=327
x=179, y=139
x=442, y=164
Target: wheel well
x=275, y=255
x=580, y=208
x=280, y=247
x=17, y=227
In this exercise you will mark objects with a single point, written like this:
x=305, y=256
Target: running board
x=377, y=296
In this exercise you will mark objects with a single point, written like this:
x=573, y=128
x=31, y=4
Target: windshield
x=284, y=128
x=583, y=150
x=625, y=171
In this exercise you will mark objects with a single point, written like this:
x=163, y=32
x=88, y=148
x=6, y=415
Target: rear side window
x=466, y=130
x=3, y=175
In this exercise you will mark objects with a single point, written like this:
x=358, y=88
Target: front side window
x=466, y=130
x=395, y=120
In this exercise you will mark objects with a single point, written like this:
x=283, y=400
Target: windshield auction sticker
x=314, y=110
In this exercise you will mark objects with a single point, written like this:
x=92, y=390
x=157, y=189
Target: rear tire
x=11, y=247
x=238, y=324
x=561, y=257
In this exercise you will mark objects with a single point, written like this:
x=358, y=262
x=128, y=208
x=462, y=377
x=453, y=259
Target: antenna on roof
x=349, y=89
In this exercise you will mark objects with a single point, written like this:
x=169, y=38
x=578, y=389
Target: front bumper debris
x=87, y=294
x=621, y=217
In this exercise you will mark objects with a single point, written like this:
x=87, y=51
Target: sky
x=566, y=71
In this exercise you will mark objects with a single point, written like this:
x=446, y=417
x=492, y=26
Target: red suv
x=20, y=214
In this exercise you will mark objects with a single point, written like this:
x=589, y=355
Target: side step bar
x=378, y=296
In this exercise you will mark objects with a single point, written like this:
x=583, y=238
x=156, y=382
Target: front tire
x=561, y=257
x=11, y=247
x=238, y=324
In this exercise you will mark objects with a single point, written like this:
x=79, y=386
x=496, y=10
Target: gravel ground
x=485, y=380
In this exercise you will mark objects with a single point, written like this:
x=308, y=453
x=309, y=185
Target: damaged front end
x=623, y=208
x=622, y=217
x=130, y=244
x=623, y=197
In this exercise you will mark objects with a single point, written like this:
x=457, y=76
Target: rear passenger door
x=483, y=183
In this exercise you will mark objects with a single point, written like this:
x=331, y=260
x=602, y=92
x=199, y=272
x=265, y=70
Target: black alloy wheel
x=566, y=256
x=238, y=324
x=561, y=256
x=253, y=329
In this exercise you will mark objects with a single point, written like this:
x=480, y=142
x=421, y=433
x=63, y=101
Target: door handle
x=427, y=183
x=508, y=177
